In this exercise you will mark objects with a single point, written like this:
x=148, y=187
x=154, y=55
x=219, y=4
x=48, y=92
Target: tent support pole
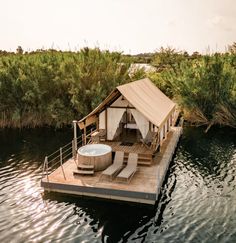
x=106, y=122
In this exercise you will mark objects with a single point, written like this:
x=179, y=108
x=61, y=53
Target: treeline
x=49, y=87
x=53, y=88
x=204, y=86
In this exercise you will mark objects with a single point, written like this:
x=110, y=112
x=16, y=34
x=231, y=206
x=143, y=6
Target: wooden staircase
x=143, y=159
x=84, y=169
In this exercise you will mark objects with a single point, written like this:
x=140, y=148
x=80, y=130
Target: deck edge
x=114, y=194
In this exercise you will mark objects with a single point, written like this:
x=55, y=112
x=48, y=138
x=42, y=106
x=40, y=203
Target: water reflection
x=112, y=221
x=211, y=158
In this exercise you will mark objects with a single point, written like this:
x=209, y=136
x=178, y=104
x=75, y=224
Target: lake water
x=197, y=204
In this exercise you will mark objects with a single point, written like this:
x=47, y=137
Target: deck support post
x=73, y=151
x=61, y=163
x=75, y=134
x=85, y=140
x=97, y=124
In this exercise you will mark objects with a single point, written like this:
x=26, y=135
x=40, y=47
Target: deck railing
x=63, y=154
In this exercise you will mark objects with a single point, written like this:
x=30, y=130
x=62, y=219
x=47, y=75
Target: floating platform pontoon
x=144, y=187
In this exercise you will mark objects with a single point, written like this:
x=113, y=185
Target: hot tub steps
x=83, y=172
x=84, y=169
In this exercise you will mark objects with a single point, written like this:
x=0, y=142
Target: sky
x=129, y=26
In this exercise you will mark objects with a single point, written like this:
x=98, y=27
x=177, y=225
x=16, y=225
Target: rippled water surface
x=197, y=204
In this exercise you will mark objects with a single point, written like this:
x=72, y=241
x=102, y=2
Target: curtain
x=141, y=121
x=114, y=116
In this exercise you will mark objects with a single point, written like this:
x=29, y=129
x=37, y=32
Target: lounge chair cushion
x=116, y=166
x=131, y=167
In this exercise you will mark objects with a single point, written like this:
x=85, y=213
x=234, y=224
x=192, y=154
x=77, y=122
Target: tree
x=53, y=88
x=232, y=48
x=169, y=57
x=205, y=88
x=19, y=50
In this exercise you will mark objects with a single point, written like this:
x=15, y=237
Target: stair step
x=144, y=162
x=140, y=156
x=141, y=162
x=83, y=166
x=83, y=172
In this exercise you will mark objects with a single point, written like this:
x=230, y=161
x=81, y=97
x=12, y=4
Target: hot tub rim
x=95, y=155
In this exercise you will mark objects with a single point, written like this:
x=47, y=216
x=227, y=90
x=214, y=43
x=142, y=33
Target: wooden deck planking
x=147, y=180
x=135, y=148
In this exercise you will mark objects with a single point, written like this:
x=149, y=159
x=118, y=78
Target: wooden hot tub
x=98, y=155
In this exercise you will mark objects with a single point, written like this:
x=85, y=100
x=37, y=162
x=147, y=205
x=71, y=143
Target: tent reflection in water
x=131, y=114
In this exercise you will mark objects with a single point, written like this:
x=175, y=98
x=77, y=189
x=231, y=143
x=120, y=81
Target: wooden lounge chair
x=116, y=167
x=128, y=172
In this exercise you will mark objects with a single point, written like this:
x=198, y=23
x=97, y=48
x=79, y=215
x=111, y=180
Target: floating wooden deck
x=143, y=188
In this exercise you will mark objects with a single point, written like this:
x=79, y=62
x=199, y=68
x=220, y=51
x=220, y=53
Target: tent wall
x=121, y=102
x=171, y=119
x=102, y=124
x=165, y=128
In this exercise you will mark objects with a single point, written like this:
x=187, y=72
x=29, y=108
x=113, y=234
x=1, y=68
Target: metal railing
x=63, y=154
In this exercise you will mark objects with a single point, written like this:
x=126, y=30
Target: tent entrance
x=126, y=144
x=130, y=131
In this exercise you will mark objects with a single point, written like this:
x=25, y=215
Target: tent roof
x=145, y=97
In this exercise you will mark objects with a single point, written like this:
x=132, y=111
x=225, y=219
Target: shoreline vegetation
x=52, y=88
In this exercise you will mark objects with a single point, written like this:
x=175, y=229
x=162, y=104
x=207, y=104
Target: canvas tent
x=150, y=108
